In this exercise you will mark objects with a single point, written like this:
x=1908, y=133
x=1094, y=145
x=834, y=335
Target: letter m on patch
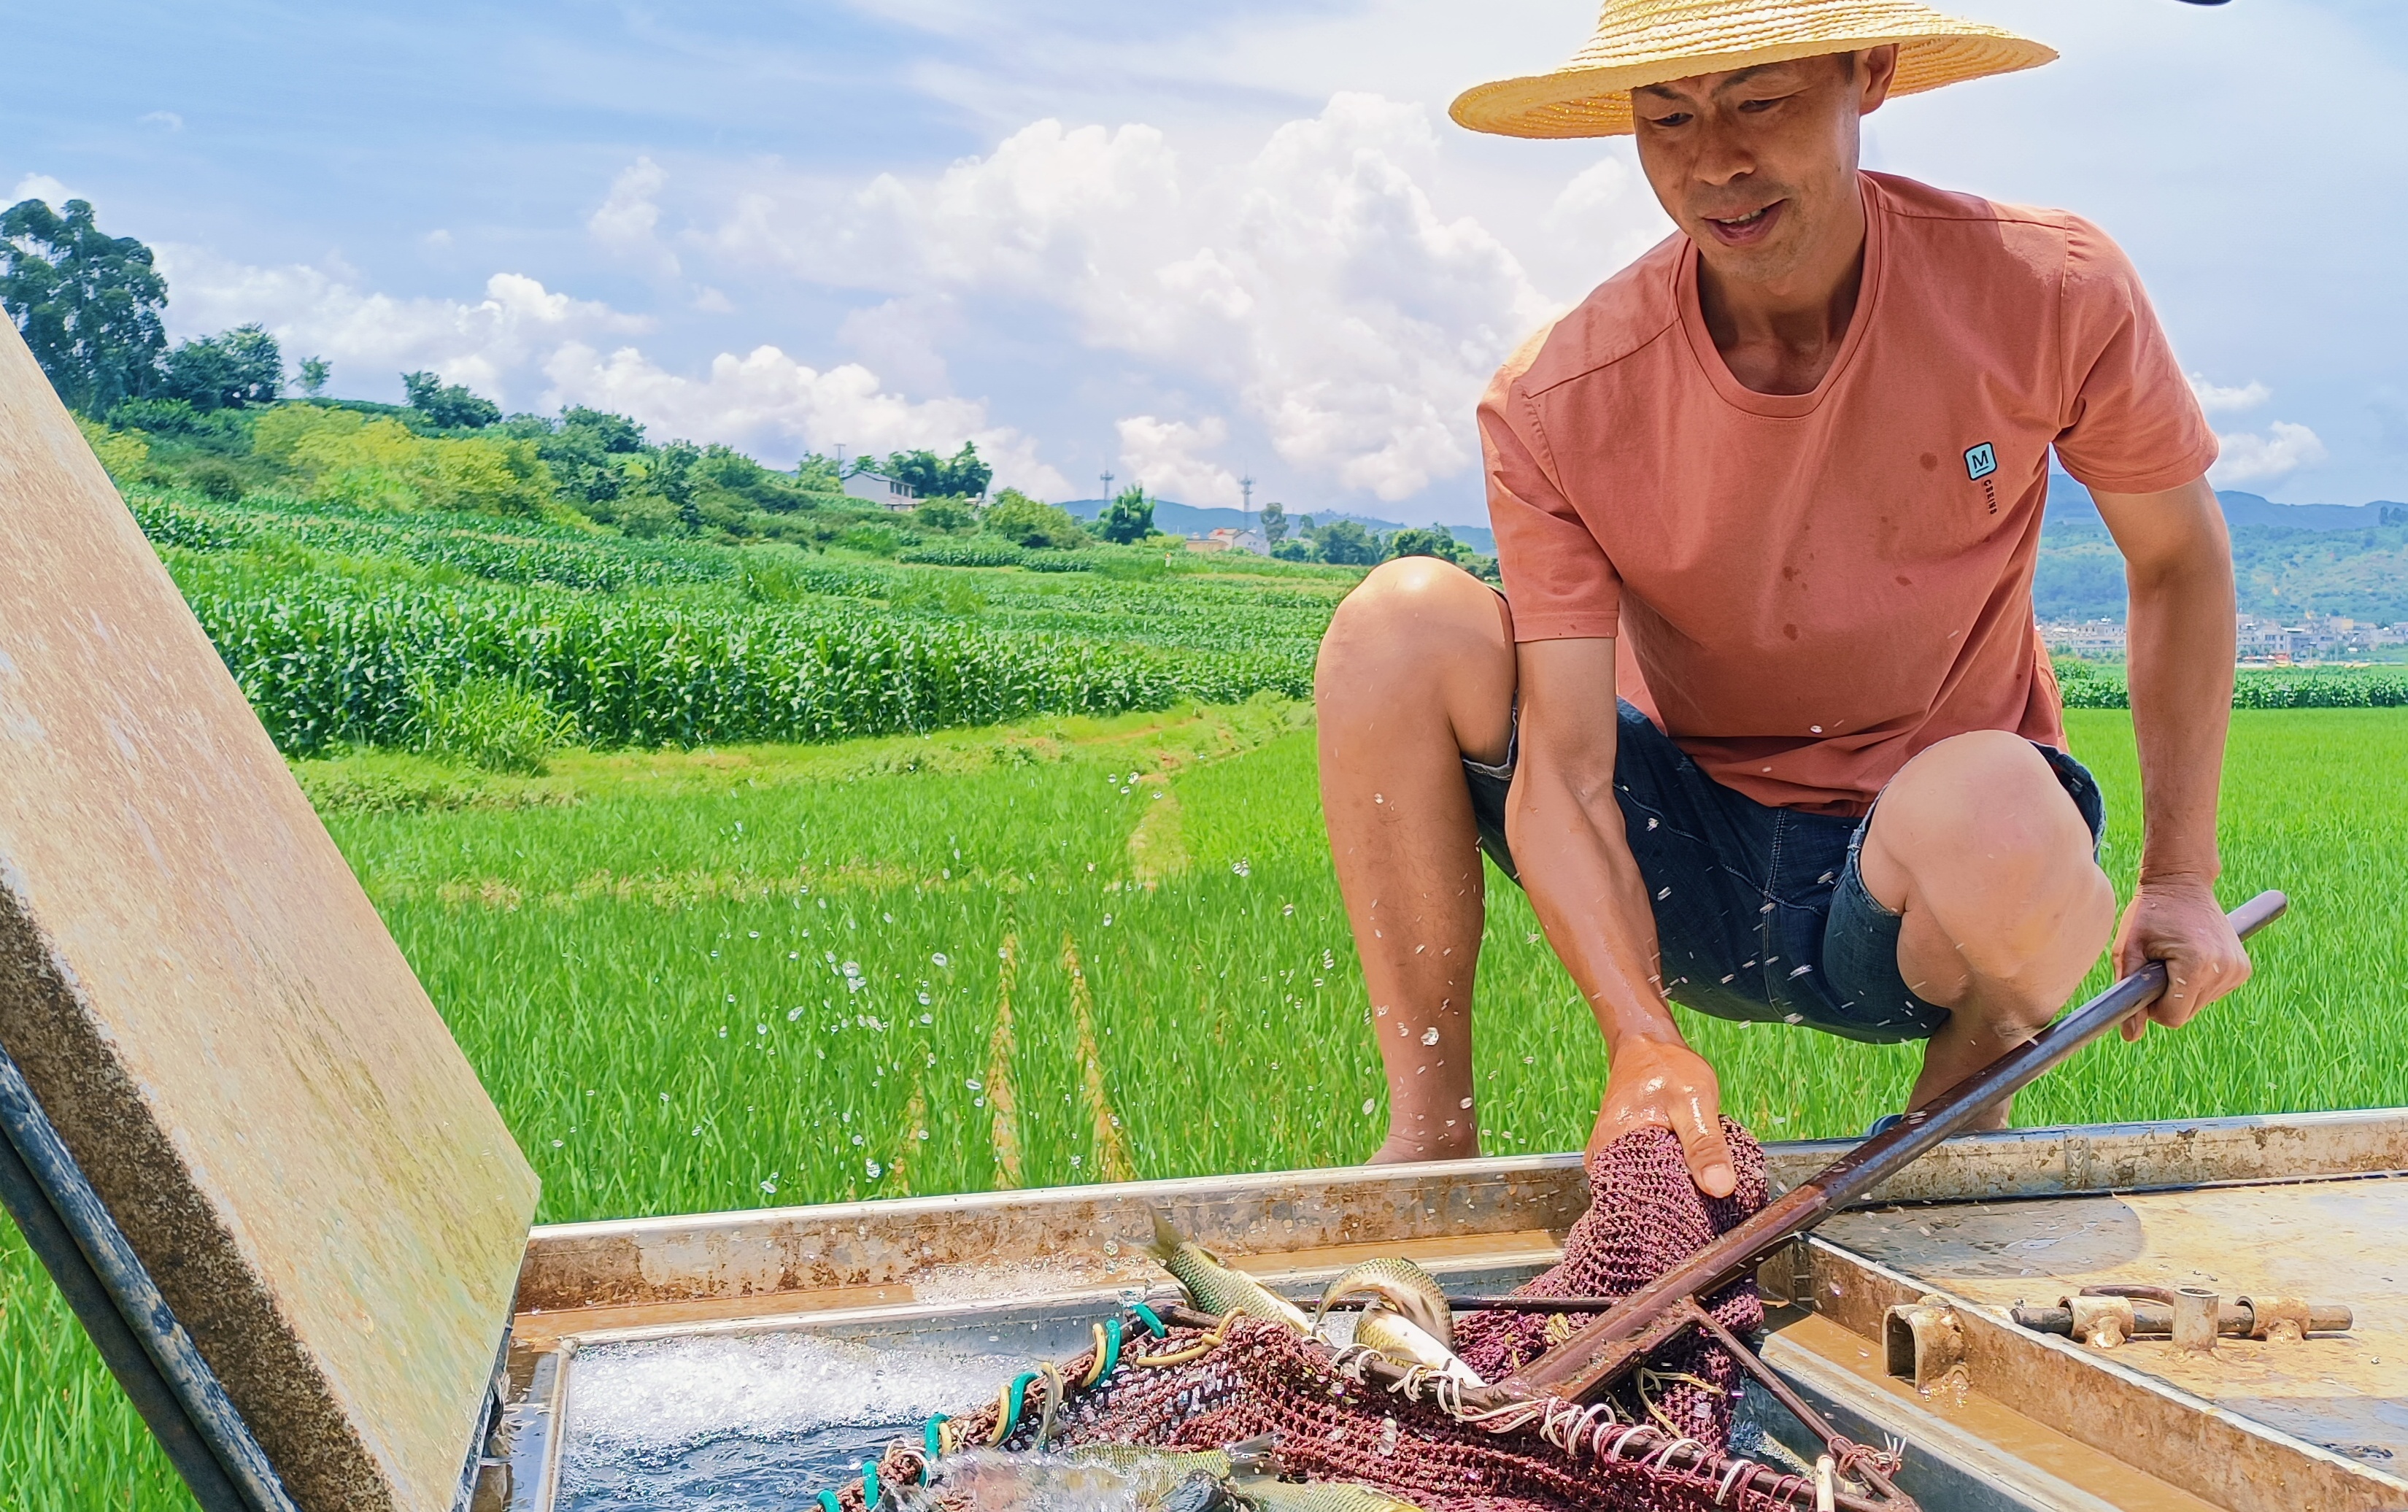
x=1980, y=462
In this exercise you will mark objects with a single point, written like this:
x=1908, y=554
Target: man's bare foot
x=1404, y=1149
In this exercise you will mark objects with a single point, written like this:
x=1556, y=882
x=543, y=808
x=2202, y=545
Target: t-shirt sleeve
x=1557, y=578
x=2130, y=423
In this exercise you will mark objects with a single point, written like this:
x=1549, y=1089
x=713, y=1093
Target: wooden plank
x=208, y=1009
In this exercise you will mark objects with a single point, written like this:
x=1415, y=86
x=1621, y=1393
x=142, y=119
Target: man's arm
x=2178, y=564
x=1565, y=828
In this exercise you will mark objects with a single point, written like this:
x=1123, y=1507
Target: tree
x=964, y=476
x=673, y=478
x=1129, y=517
x=944, y=513
x=88, y=303
x=314, y=373
x=447, y=406
x=613, y=433
x=1274, y=522
x=231, y=370
x=1032, y=522
x=1435, y=540
x=1346, y=543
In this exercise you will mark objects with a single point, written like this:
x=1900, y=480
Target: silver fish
x=1265, y=1494
x=1406, y=1287
x=1214, y=1287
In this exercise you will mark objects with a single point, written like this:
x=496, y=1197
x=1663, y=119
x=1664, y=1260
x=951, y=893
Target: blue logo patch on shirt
x=1980, y=462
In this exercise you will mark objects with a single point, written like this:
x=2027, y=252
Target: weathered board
x=209, y=1012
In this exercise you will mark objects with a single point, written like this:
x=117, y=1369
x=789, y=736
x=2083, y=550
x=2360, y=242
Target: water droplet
x=1429, y=1035
x=874, y=1169
x=1368, y=1106
x=1465, y=1104
x=793, y=1013
x=1241, y=867
x=770, y=1186
x=975, y=1085
x=760, y=1029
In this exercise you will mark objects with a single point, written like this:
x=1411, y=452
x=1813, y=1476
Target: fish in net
x=1344, y=1422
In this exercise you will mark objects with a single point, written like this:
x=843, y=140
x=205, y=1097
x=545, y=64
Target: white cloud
x=773, y=404
x=322, y=312
x=1161, y=456
x=2219, y=400
x=164, y=120
x=2253, y=459
x=1609, y=208
x=41, y=186
x=1316, y=282
x=902, y=339
x=630, y=221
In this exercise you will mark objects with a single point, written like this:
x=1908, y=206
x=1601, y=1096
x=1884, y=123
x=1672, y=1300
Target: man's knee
x=1985, y=803
x=1418, y=618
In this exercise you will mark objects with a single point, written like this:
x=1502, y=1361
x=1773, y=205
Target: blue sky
x=1185, y=244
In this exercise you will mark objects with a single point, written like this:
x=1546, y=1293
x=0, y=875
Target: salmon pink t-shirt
x=1808, y=589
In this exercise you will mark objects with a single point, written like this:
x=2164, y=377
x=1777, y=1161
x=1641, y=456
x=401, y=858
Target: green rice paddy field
x=1080, y=948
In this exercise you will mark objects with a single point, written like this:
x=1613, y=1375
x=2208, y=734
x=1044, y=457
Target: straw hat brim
x=1653, y=43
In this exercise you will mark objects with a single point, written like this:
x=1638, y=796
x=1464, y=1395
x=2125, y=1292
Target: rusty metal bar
x=2150, y=1318
x=1604, y=1350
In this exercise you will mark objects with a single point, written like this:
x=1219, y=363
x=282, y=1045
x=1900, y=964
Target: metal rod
x=1602, y=1350
x=1493, y=1305
x=2156, y=1319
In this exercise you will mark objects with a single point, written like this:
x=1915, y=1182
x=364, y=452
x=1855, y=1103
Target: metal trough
x=2310, y=1204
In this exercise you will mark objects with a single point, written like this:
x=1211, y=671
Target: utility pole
x=1108, y=485
x=1245, y=502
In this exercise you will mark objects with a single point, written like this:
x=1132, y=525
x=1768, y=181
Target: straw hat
x=1642, y=42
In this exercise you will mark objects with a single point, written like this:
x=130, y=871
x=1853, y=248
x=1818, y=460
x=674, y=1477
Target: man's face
x=1758, y=165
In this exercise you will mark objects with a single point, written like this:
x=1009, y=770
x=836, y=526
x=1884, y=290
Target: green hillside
x=2283, y=570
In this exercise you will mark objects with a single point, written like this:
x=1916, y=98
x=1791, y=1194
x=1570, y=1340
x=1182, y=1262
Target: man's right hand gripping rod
x=1592, y=1360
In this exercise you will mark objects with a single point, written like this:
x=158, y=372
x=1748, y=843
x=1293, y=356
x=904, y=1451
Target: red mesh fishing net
x=1658, y=1447
x=1645, y=1215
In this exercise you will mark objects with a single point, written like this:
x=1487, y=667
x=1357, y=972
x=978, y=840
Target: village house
x=878, y=488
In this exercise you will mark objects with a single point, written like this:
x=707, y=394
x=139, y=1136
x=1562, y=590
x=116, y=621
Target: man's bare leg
x=1415, y=673
x=1977, y=844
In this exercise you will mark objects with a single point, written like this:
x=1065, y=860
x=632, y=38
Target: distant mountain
x=1191, y=520
x=2069, y=507
x=2287, y=558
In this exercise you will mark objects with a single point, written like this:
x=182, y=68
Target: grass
x=754, y=977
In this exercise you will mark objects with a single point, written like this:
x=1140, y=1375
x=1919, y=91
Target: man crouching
x=1761, y=721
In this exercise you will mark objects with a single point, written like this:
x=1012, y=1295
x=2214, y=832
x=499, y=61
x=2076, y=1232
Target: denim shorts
x=1761, y=913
